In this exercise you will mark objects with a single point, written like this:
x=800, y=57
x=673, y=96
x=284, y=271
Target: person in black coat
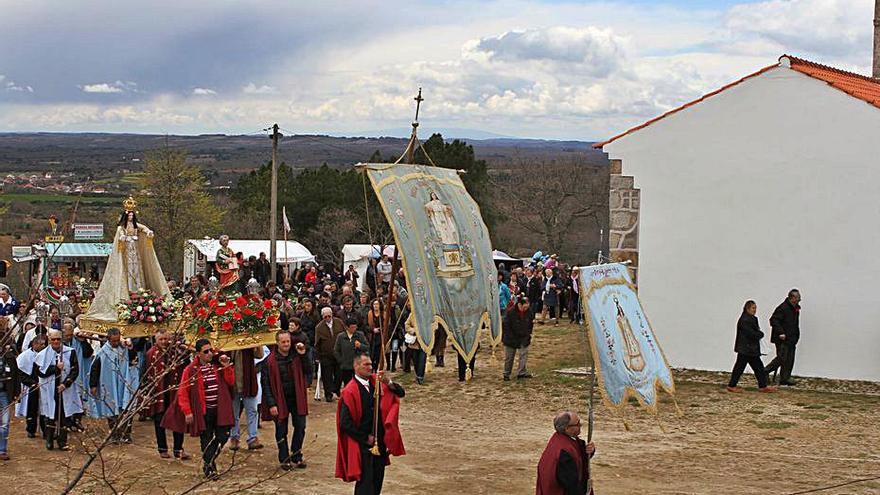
x=516, y=335
x=748, y=350
x=786, y=332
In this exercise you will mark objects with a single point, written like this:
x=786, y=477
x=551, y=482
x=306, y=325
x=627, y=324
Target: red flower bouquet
x=233, y=314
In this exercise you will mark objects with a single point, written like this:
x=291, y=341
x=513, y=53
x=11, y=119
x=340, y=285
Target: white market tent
x=359, y=255
x=502, y=257
x=199, y=252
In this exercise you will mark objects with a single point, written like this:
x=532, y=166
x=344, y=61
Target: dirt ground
x=484, y=437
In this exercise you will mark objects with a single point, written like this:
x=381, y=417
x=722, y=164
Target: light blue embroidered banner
x=625, y=350
x=446, y=251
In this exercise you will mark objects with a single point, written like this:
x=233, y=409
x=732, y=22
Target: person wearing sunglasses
x=564, y=468
x=204, y=404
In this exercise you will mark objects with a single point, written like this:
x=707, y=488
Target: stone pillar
x=624, y=203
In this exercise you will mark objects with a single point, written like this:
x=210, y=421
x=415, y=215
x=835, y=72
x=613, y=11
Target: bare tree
x=554, y=205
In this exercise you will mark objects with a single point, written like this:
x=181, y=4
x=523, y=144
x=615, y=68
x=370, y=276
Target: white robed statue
x=132, y=266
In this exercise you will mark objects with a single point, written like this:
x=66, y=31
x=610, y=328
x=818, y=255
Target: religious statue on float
x=132, y=266
x=227, y=266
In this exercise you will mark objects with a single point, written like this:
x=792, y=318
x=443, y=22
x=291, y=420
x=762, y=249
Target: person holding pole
x=59, y=399
x=367, y=435
x=564, y=465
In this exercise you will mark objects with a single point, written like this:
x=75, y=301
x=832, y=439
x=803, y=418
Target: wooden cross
x=419, y=101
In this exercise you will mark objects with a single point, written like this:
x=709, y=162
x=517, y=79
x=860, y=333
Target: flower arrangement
x=146, y=306
x=233, y=314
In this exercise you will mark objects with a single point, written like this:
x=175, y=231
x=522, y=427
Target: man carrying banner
x=367, y=437
x=563, y=468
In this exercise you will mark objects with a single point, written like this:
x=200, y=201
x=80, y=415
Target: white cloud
x=599, y=49
x=253, y=89
x=114, y=87
x=203, y=92
x=10, y=85
x=100, y=88
x=828, y=28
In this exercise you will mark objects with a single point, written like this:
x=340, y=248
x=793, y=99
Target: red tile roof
x=855, y=85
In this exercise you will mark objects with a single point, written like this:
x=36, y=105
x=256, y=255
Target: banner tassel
x=468, y=374
x=493, y=361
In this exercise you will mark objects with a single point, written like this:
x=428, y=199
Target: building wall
x=623, y=204
x=769, y=185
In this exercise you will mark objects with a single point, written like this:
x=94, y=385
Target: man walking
x=348, y=344
x=59, y=400
x=786, y=332
x=284, y=395
x=203, y=407
x=245, y=394
x=326, y=332
x=164, y=369
x=563, y=468
x=362, y=452
x=113, y=382
x=517, y=336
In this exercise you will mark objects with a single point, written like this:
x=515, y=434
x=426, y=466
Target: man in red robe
x=355, y=460
x=203, y=404
x=563, y=468
x=164, y=368
x=285, y=395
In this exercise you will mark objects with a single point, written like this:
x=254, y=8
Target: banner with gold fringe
x=626, y=355
x=446, y=253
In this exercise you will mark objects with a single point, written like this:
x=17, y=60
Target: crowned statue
x=132, y=266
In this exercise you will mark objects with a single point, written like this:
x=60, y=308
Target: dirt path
x=485, y=437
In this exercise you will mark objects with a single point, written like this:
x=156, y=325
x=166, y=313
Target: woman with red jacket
x=203, y=405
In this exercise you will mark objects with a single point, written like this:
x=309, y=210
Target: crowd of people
x=331, y=335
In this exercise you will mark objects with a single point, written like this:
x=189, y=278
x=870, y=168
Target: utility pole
x=273, y=207
x=876, y=72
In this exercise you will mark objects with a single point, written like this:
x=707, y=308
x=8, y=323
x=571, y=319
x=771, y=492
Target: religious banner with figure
x=446, y=253
x=626, y=355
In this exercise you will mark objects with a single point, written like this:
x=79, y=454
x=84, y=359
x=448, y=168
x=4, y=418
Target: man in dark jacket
x=262, y=269
x=786, y=333
x=748, y=350
x=326, y=332
x=285, y=396
x=516, y=336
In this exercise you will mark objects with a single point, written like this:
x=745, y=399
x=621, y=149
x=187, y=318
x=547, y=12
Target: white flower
x=152, y=310
x=152, y=318
x=139, y=309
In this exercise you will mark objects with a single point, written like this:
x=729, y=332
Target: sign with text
x=88, y=231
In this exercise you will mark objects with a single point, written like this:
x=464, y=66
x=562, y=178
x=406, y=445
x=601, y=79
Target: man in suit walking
x=786, y=333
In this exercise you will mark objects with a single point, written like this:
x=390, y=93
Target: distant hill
x=224, y=157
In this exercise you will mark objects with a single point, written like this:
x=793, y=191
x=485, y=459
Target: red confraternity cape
x=348, y=452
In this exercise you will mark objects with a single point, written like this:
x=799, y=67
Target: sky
x=521, y=68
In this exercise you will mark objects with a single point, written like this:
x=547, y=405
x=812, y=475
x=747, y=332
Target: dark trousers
x=755, y=363
x=294, y=452
x=162, y=441
x=415, y=358
x=345, y=376
x=372, y=474
x=784, y=360
x=462, y=369
x=123, y=430
x=213, y=438
x=33, y=418
x=59, y=438
x=328, y=377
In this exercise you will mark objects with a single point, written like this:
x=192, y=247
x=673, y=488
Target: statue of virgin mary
x=132, y=266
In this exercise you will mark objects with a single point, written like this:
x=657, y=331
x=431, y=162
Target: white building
x=767, y=184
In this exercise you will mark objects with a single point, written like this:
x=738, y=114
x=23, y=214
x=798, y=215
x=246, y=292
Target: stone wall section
x=624, y=204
